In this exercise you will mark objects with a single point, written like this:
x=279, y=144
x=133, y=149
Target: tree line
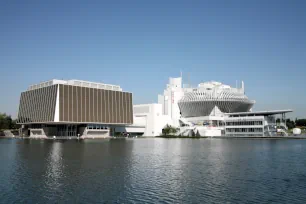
x=294, y=123
x=6, y=122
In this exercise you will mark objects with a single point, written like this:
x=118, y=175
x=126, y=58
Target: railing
x=76, y=83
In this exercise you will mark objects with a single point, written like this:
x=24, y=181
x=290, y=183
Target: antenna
x=182, y=83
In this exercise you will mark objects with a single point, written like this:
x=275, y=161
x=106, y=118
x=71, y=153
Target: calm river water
x=153, y=171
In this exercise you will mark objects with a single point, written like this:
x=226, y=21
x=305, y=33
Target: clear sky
x=139, y=44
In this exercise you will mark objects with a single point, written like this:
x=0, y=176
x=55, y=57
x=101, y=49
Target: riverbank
x=174, y=136
x=264, y=137
x=57, y=138
x=235, y=137
x=164, y=137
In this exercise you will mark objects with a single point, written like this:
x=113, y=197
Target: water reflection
x=8, y=165
x=153, y=171
x=55, y=167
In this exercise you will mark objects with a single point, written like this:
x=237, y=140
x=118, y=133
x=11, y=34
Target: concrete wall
x=169, y=100
x=97, y=133
x=40, y=133
x=82, y=131
x=152, y=119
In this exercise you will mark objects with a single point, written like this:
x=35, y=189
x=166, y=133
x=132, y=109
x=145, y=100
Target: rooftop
x=260, y=113
x=75, y=82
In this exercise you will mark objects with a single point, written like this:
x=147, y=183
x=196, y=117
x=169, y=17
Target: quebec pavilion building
x=74, y=108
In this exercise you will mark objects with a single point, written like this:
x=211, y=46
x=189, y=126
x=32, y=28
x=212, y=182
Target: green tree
x=301, y=122
x=169, y=130
x=3, y=121
x=14, y=125
x=290, y=124
x=6, y=122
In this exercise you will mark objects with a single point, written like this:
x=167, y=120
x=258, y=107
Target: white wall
x=169, y=100
x=56, y=114
x=151, y=118
x=154, y=117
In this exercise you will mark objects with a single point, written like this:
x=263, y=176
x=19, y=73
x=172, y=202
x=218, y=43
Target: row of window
x=249, y=135
x=96, y=127
x=67, y=128
x=244, y=129
x=237, y=123
x=36, y=126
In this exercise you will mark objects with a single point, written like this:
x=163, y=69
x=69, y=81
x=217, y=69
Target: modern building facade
x=148, y=120
x=255, y=124
x=211, y=97
x=205, y=107
x=210, y=109
x=74, y=107
x=86, y=109
x=170, y=98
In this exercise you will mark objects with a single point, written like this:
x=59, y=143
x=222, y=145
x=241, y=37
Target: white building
x=210, y=109
x=148, y=120
x=169, y=100
x=203, y=108
x=255, y=124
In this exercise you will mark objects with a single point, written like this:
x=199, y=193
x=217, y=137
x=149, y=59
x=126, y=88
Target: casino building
x=211, y=96
x=74, y=108
x=209, y=109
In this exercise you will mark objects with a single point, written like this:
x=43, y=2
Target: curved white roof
x=213, y=85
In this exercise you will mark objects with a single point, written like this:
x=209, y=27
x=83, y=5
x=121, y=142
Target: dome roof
x=214, y=95
x=203, y=101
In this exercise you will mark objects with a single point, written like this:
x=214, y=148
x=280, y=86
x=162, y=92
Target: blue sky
x=139, y=44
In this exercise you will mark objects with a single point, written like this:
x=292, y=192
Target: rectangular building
x=255, y=124
x=251, y=126
x=56, y=107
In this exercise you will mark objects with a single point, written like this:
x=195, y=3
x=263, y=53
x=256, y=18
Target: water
x=153, y=171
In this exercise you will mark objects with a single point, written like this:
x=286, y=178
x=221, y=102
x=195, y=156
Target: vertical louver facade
x=75, y=104
x=38, y=105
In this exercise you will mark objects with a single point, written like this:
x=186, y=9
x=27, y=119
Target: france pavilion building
x=74, y=108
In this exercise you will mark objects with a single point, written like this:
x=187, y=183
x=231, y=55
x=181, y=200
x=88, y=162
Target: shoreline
x=163, y=137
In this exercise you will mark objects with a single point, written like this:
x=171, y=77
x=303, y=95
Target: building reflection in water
x=55, y=166
x=157, y=171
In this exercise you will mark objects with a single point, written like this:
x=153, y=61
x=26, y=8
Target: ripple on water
x=153, y=171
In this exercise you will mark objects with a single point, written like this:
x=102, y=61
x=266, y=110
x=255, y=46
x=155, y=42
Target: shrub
x=169, y=130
